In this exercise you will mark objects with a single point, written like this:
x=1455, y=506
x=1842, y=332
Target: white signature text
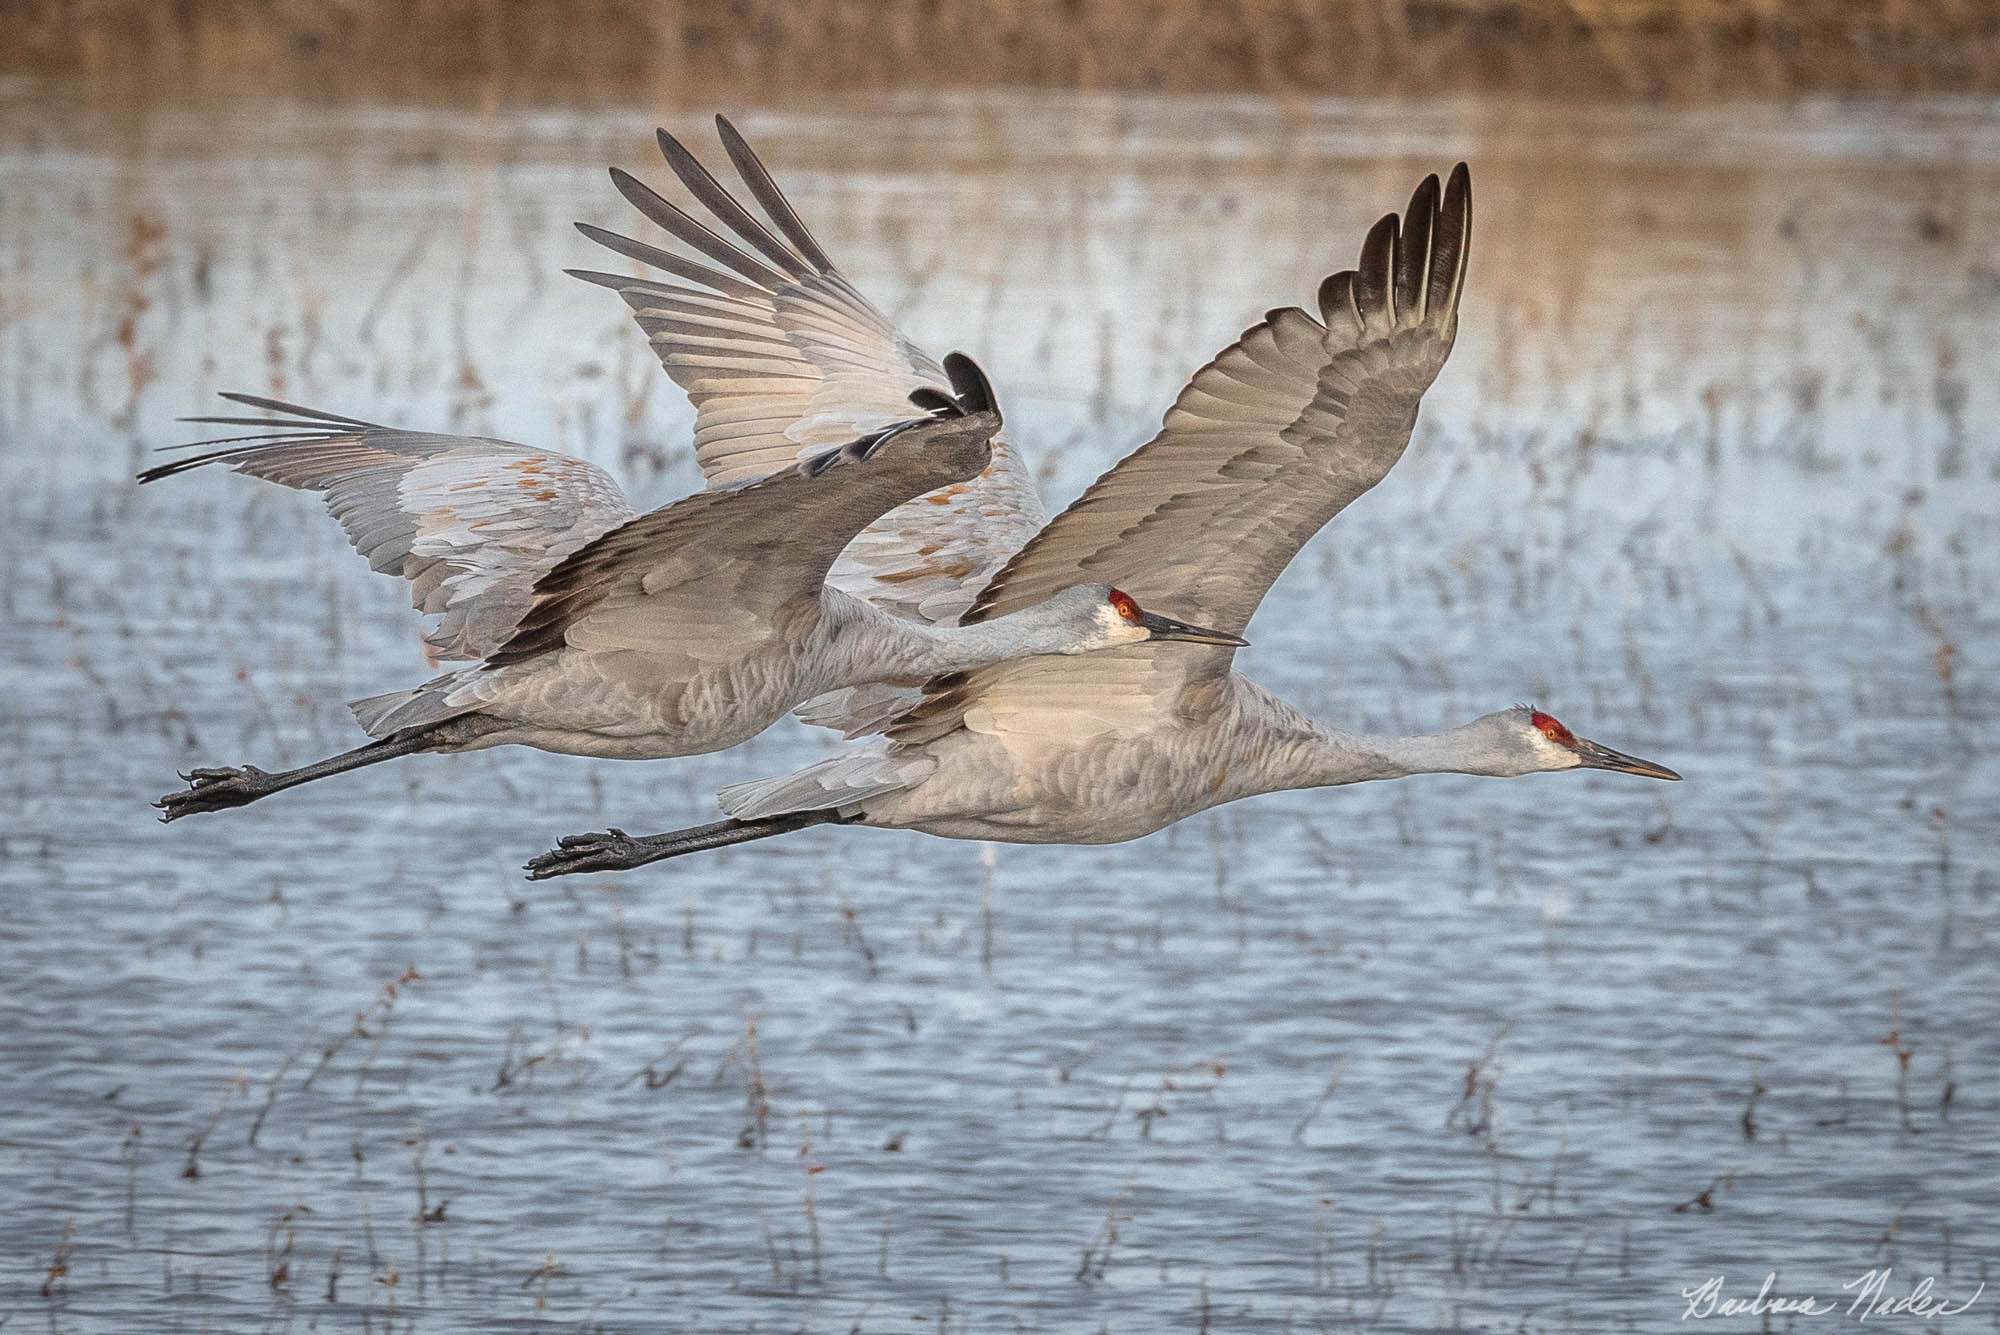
x=1871, y=1297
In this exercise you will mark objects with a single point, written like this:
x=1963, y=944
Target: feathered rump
x=831, y=784
x=859, y=711
x=433, y=702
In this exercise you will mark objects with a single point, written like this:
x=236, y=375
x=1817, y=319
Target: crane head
x=1130, y=623
x=1556, y=747
x=1086, y=617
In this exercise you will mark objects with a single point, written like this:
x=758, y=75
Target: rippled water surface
x=1712, y=475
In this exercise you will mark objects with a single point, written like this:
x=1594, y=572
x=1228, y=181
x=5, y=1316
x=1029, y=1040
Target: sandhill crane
x=823, y=568
x=1266, y=444
x=610, y=634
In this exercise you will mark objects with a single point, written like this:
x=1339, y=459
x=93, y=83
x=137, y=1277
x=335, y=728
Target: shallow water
x=1711, y=475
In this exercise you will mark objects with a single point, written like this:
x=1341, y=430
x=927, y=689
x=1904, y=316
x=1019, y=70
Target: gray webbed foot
x=215, y=790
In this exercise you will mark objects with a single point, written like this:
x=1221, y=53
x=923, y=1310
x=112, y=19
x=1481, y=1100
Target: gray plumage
x=1265, y=444
x=811, y=568
x=783, y=358
x=471, y=523
x=682, y=631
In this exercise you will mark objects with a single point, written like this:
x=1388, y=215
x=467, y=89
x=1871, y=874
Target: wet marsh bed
x=1711, y=476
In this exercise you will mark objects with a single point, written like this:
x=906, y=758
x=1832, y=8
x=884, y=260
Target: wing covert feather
x=714, y=572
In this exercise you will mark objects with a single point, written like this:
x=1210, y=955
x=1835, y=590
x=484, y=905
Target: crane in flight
x=1265, y=445
x=602, y=632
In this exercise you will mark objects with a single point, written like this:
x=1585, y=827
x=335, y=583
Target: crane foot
x=216, y=790
x=609, y=850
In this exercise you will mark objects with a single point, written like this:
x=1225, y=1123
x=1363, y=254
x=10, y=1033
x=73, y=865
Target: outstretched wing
x=784, y=359
x=712, y=575
x=1266, y=444
x=470, y=522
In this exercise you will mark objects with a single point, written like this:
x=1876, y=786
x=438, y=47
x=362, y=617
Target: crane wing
x=470, y=522
x=1266, y=443
x=714, y=573
x=784, y=360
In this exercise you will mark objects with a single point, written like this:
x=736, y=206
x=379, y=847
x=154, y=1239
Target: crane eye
x=1122, y=604
x=1550, y=728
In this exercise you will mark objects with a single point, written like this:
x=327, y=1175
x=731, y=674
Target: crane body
x=1265, y=445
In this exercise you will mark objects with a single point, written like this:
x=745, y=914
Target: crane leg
x=236, y=786
x=615, y=850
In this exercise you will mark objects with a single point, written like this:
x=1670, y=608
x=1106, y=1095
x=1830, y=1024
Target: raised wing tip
x=619, y=283
x=1458, y=192
x=636, y=192
x=1424, y=199
x=1456, y=207
x=1451, y=248
x=1382, y=235
x=677, y=154
x=975, y=391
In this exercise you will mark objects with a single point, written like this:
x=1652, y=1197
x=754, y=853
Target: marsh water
x=1712, y=476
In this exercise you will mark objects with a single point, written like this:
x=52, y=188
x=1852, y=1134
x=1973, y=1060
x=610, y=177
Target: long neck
x=868, y=644
x=1299, y=752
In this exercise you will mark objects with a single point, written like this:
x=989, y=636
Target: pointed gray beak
x=1166, y=628
x=1603, y=757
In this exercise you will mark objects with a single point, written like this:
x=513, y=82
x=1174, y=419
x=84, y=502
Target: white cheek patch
x=1120, y=631
x=1558, y=755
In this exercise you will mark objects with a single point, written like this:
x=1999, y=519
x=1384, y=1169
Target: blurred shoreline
x=619, y=52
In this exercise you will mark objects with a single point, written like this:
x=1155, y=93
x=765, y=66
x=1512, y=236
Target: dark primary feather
x=1413, y=255
x=773, y=200
x=623, y=283
x=664, y=260
x=975, y=391
x=300, y=425
x=238, y=447
x=935, y=401
x=717, y=200
x=293, y=409
x=683, y=227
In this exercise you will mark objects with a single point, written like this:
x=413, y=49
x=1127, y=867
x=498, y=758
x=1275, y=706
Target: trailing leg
x=220, y=789
x=615, y=850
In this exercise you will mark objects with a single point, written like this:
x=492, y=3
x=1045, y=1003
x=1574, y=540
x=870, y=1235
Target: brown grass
x=602, y=52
